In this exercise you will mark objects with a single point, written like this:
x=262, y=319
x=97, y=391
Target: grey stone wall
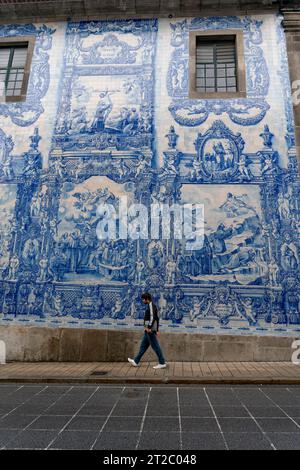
x=33, y=344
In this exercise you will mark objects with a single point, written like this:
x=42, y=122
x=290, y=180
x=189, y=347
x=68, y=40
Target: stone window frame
x=16, y=41
x=240, y=64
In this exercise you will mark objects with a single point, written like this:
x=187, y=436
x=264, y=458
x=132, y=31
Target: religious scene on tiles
x=104, y=147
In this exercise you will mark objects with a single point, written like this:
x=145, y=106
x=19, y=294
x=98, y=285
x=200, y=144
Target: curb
x=154, y=381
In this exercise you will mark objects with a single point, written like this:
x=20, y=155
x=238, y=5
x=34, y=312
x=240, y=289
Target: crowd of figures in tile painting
x=53, y=266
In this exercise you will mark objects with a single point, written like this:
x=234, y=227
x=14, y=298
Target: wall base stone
x=34, y=344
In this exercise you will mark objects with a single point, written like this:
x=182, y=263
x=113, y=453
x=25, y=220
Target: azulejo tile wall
x=108, y=115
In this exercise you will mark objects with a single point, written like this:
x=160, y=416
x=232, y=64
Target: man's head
x=146, y=298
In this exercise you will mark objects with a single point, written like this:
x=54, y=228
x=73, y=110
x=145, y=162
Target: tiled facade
x=108, y=114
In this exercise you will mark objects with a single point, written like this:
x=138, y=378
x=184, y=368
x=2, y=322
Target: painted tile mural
x=122, y=126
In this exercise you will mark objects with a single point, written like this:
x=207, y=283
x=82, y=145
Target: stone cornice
x=50, y=10
x=291, y=20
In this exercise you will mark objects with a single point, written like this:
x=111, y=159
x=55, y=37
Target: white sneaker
x=132, y=362
x=160, y=366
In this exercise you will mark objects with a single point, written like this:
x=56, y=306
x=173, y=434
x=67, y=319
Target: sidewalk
x=175, y=373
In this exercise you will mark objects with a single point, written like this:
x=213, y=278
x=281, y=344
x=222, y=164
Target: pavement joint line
x=214, y=413
x=281, y=409
x=5, y=415
x=63, y=428
x=24, y=429
x=291, y=392
x=155, y=416
x=143, y=420
x=179, y=415
x=109, y=415
x=257, y=424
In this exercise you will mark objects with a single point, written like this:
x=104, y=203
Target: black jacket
x=155, y=322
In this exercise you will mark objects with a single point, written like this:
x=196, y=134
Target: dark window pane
x=221, y=82
x=230, y=72
x=210, y=82
x=200, y=73
x=200, y=82
x=12, y=76
x=205, y=53
x=19, y=59
x=210, y=73
x=231, y=81
x=4, y=56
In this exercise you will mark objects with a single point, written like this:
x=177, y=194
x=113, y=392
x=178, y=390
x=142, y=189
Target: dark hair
x=146, y=296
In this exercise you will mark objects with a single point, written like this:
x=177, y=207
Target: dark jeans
x=150, y=339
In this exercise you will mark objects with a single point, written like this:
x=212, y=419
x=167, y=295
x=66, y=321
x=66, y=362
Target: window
x=215, y=65
x=15, y=61
x=217, y=68
x=12, y=65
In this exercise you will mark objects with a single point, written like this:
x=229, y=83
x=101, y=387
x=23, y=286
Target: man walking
x=151, y=325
